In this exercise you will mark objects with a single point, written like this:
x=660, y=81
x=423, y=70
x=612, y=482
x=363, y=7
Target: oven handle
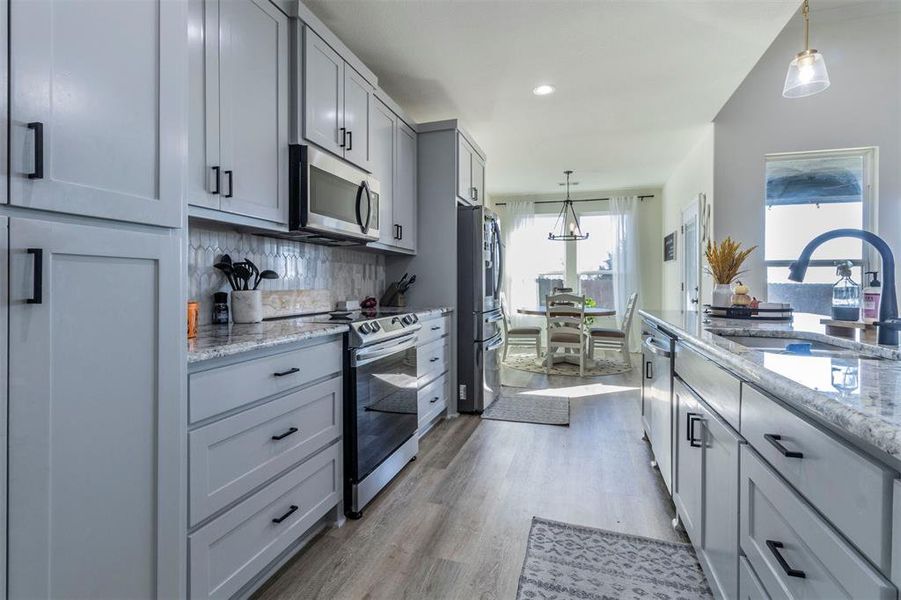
x=369, y=355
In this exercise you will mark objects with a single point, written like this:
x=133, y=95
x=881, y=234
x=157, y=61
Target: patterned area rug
x=566, y=562
x=524, y=408
x=593, y=368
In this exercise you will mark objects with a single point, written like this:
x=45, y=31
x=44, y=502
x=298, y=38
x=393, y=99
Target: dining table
x=590, y=311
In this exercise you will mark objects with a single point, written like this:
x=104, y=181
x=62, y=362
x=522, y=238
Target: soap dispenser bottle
x=845, y=294
x=871, y=295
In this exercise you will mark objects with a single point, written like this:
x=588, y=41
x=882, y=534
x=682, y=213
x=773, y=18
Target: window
x=538, y=265
x=594, y=258
x=808, y=194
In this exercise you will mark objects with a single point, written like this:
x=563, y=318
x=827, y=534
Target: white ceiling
x=636, y=80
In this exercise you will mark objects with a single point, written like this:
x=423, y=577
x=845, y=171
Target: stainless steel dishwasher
x=657, y=351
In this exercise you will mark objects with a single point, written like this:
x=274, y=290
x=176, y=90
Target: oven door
x=330, y=197
x=381, y=411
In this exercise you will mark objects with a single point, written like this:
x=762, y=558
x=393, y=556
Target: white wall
x=693, y=176
x=650, y=236
x=861, y=44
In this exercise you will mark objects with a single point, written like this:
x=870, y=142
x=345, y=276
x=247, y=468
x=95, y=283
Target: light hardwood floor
x=454, y=523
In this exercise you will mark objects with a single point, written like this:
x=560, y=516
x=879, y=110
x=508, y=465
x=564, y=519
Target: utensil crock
x=247, y=306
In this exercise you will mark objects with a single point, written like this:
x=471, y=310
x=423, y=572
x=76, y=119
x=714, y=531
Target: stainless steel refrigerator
x=479, y=340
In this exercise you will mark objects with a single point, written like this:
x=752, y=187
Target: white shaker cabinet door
x=204, y=174
x=405, y=187
x=253, y=101
x=478, y=179
x=96, y=342
x=323, y=90
x=98, y=111
x=358, y=99
x=384, y=123
x=464, y=169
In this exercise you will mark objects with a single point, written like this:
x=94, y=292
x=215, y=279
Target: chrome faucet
x=889, y=324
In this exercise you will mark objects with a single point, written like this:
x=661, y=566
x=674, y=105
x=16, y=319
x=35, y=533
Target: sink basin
x=778, y=344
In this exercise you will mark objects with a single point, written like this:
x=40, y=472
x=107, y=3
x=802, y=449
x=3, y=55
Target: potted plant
x=724, y=261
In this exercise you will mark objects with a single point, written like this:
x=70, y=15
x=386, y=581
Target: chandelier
x=567, y=228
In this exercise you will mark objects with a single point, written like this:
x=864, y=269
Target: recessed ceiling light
x=543, y=90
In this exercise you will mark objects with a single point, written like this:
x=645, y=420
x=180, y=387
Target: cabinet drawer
x=792, y=549
x=432, y=399
x=231, y=457
x=717, y=387
x=230, y=551
x=749, y=586
x=225, y=388
x=852, y=491
x=432, y=358
x=433, y=329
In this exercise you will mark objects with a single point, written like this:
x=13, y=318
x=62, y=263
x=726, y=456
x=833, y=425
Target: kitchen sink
x=778, y=344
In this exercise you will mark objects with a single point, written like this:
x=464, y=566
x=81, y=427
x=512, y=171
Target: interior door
x=253, y=68
x=357, y=116
x=97, y=108
x=383, y=168
x=691, y=260
x=687, y=484
x=96, y=342
x=405, y=202
x=323, y=94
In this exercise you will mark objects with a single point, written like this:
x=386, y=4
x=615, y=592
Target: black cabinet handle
x=648, y=370
x=434, y=359
x=401, y=227
x=290, y=371
x=231, y=184
x=434, y=400
x=343, y=137
x=290, y=512
x=284, y=435
x=692, y=418
x=38, y=128
x=436, y=327
x=218, y=179
x=37, y=289
x=774, y=547
x=350, y=140
x=776, y=442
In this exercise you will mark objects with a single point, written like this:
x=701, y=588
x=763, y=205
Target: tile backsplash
x=349, y=274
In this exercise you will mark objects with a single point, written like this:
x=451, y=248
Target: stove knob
x=414, y=317
x=376, y=326
x=365, y=328
x=406, y=319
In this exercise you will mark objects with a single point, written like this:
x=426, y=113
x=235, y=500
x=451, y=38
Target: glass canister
x=845, y=294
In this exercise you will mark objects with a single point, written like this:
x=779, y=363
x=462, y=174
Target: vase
x=722, y=295
x=247, y=306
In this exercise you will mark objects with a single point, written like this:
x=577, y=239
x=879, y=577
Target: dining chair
x=519, y=336
x=615, y=338
x=566, y=327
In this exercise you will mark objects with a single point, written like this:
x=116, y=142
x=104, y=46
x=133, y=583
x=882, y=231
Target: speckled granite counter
x=869, y=411
x=216, y=341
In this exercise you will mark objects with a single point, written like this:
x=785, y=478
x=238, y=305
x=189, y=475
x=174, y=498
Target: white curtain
x=624, y=210
x=520, y=287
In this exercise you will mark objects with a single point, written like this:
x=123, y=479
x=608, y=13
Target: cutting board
x=285, y=303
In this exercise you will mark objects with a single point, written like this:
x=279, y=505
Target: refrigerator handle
x=500, y=262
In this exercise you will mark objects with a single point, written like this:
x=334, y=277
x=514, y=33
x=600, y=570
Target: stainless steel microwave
x=330, y=200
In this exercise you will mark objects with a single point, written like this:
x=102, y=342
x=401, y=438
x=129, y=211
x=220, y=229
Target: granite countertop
x=217, y=341
x=866, y=409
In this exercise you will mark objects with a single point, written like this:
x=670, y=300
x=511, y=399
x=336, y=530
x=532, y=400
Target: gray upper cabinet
x=239, y=130
x=394, y=165
x=96, y=340
x=338, y=103
x=405, y=186
x=470, y=173
x=97, y=108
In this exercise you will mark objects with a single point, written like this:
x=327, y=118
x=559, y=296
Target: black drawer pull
x=691, y=419
x=649, y=370
x=436, y=327
x=343, y=137
x=434, y=359
x=284, y=435
x=291, y=371
x=38, y=172
x=286, y=515
x=217, y=173
x=434, y=400
x=350, y=146
x=774, y=547
x=775, y=440
x=37, y=285
x=231, y=184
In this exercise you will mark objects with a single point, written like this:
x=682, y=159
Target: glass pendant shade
x=806, y=75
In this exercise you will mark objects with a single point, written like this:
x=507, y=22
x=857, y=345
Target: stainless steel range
x=380, y=397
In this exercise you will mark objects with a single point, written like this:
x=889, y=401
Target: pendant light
x=807, y=71
x=567, y=228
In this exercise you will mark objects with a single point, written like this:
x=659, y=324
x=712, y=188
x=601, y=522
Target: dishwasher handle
x=656, y=350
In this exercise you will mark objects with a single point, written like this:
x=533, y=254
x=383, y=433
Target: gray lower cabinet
x=433, y=370
x=749, y=586
x=238, y=134
x=394, y=165
x=896, y=533
x=4, y=364
x=97, y=108
x=233, y=549
x=96, y=339
x=689, y=470
x=793, y=550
